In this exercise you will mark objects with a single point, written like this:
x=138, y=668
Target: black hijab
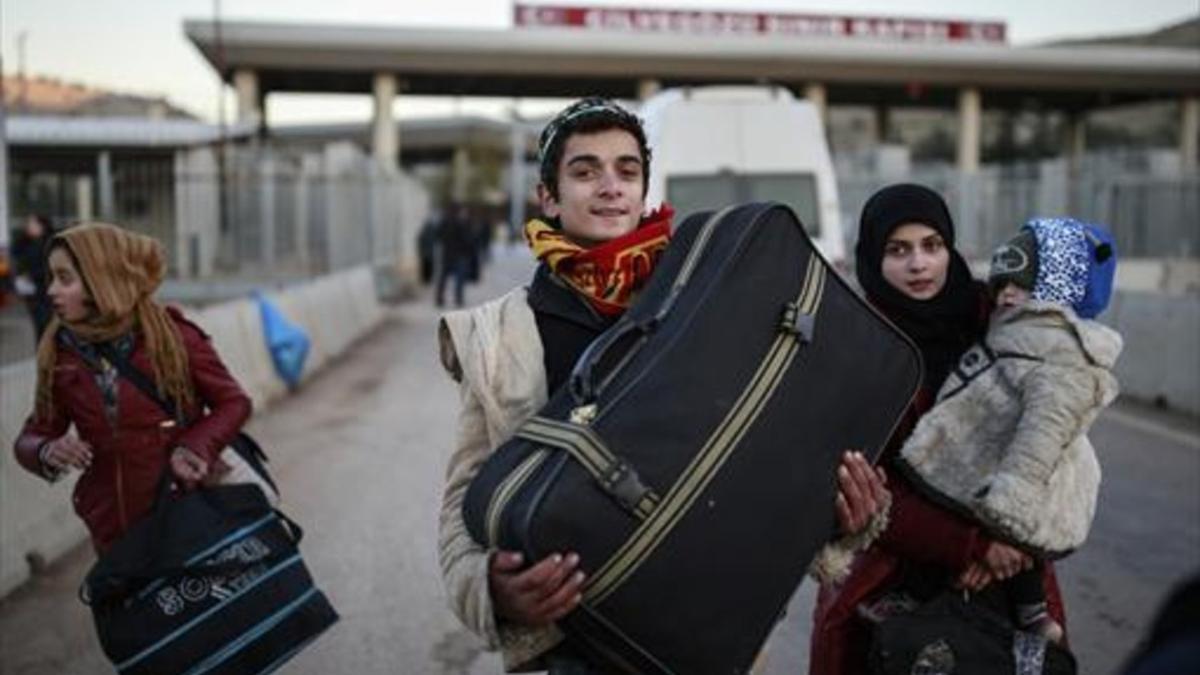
x=943, y=326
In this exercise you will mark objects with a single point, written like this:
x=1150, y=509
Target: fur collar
x=1036, y=328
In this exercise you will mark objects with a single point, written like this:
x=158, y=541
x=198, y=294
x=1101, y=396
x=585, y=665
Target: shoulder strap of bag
x=140, y=380
x=242, y=443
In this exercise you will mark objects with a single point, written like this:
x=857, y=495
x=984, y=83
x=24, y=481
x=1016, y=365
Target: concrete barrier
x=37, y=520
x=36, y=517
x=1161, y=359
x=236, y=331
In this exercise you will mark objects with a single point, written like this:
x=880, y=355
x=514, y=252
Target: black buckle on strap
x=621, y=481
x=797, y=323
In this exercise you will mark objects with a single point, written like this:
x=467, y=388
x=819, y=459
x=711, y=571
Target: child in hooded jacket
x=1007, y=441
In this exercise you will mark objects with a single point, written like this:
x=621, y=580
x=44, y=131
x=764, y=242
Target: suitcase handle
x=583, y=386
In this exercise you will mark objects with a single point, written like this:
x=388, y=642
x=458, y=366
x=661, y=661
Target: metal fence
x=288, y=215
x=1150, y=216
x=268, y=215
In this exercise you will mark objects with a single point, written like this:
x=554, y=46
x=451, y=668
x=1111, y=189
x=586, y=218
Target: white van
x=714, y=146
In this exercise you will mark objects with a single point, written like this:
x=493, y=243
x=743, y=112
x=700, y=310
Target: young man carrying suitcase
x=597, y=248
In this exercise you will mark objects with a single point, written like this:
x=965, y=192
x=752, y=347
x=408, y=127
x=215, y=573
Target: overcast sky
x=137, y=46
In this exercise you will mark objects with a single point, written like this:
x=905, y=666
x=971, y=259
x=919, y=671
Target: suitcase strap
x=615, y=476
x=721, y=444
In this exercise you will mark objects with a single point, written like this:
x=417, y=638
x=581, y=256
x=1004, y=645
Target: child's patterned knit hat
x=1076, y=264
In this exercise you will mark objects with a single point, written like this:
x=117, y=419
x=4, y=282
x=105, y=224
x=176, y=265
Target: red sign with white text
x=692, y=22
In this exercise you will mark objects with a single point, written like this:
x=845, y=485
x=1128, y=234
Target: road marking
x=1184, y=438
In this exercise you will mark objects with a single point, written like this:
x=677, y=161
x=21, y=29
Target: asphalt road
x=360, y=453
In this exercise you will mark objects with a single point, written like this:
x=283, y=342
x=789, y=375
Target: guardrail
x=37, y=523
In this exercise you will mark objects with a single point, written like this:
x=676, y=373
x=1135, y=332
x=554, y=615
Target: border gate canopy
x=566, y=62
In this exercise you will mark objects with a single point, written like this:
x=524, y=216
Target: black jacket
x=566, y=323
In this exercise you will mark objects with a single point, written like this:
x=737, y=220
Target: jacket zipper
x=113, y=414
x=122, y=516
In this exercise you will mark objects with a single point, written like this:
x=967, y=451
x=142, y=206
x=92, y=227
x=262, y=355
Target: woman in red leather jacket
x=102, y=282
x=910, y=271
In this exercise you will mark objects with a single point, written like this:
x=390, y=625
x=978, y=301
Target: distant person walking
x=458, y=243
x=32, y=277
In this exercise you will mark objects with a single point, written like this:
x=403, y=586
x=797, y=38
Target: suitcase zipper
x=505, y=491
x=716, y=450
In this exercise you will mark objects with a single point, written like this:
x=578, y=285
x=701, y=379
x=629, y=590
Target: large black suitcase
x=691, y=459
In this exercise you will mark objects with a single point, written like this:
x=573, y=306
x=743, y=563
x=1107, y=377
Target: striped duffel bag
x=209, y=582
x=691, y=459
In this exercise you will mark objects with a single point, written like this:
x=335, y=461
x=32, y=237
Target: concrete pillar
x=83, y=198
x=249, y=100
x=816, y=95
x=4, y=224
x=105, y=180
x=883, y=124
x=1074, y=148
x=266, y=204
x=385, y=140
x=1189, y=133
x=460, y=174
x=969, y=109
x=647, y=88
x=516, y=175
x=1076, y=142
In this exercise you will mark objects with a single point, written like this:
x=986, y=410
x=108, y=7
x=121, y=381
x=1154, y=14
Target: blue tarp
x=287, y=342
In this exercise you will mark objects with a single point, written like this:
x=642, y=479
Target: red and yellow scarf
x=610, y=274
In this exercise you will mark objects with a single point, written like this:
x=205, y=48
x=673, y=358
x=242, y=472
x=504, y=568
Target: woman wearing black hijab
x=910, y=271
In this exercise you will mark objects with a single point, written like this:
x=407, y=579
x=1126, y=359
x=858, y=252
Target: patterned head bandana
x=587, y=115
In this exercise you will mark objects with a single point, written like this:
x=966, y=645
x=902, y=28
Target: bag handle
x=582, y=383
x=123, y=586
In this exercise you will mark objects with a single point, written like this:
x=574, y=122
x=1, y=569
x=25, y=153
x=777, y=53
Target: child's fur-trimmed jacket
x=1007, y=441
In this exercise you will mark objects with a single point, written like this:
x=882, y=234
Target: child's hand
x=975, y=578
x=1004, y=561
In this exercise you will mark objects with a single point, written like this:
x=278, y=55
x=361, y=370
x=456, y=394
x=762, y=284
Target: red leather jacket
x=919, y=533
x=127, y=461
